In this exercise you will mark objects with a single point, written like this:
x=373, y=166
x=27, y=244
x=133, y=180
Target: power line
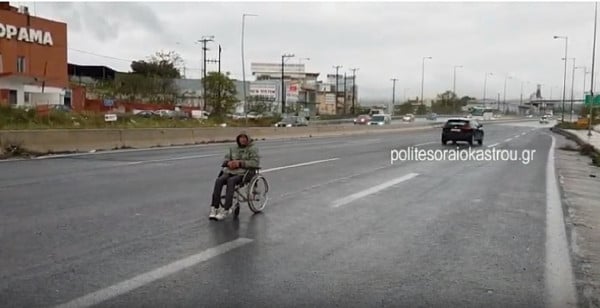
x=99, y=55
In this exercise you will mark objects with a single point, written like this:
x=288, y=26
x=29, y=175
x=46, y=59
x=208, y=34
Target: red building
x=33, y=59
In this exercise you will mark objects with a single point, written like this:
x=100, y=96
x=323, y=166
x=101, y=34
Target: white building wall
x=51, y=95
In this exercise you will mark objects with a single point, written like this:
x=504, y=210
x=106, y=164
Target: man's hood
x=243, y=133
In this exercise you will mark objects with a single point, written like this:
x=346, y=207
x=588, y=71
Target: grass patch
x=23, y=119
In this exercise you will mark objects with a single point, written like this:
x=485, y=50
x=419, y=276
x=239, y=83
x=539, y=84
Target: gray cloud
x=383, y=39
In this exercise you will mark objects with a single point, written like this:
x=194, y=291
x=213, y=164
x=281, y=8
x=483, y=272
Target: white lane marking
x=492, y=145
x=167, y=159
x=517, y=136
x=558, y=272
x=507, y=140
x=299, y=165
x=421, y=144
x=372, y=190
x=523, y=133
x=148, y=277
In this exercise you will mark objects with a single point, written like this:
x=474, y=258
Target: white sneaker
x=222, y=213
x=213, y=213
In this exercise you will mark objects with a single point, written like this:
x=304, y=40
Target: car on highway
x=362, y=119
x=544, y=120
x=380, y=119
x=462, y=129
x=432, y=116
x=292, y=121
x=408, y=117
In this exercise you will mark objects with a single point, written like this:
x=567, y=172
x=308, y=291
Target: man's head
x=243, y=140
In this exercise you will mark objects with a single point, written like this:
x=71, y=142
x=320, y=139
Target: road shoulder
x=581, y=199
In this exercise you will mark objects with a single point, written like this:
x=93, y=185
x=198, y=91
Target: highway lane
x=468, y=233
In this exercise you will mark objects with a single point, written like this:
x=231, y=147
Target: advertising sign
x=25, y=34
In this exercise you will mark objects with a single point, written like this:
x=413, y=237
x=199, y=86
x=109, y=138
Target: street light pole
x=423, y=78
x=504, y=99
x=565, y=74
x=454, y=87
x=485, y=85
x=454, y=79
x=244, y=65
x=572, y=91
x=393, y=94
x=283, y=82
x=593, y=64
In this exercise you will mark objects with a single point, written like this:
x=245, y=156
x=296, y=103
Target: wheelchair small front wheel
x=258, y=194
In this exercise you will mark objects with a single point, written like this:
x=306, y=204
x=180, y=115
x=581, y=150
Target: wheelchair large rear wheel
x=258, y=194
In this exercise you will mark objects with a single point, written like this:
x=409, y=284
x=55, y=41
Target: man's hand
x=234, y=164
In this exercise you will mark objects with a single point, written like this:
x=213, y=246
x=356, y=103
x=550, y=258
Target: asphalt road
x=344, y=227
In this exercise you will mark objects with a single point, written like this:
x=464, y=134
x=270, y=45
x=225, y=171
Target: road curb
x=573, y=137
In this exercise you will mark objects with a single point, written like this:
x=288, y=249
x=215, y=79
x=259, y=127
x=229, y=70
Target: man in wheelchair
x=239, y=167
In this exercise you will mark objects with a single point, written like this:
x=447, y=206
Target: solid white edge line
x=560, y=288
x=299, y=165
x=372, y=190
x=151, y=276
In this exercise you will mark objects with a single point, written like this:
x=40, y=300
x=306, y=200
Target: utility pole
x=204, y=40
x=337, y=68
x=393, y=94
x=283, y=82
x=353, y=88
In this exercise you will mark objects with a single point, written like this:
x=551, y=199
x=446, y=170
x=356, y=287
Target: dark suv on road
x=462, y=129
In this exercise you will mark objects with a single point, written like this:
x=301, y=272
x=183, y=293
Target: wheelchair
x=252, y=190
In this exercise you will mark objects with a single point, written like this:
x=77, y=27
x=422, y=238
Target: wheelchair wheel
x=257, y=194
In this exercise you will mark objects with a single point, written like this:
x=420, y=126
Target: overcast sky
x=383, y=39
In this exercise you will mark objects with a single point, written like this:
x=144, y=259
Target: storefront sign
x=25, y=34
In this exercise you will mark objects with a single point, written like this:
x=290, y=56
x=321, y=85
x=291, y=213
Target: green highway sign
x=596, y=100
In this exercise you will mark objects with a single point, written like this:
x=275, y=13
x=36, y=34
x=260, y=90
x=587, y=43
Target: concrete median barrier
x=53, y=141
x=61, y=141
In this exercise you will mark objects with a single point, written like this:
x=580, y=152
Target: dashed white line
x=299, y=165
x=559, y=274
x=507, y=140
x=517, y=136
x=372, y=190
x=159, y=273
x=167, y=159
x=492, y=145
x=422, y=144
x=523, y=133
